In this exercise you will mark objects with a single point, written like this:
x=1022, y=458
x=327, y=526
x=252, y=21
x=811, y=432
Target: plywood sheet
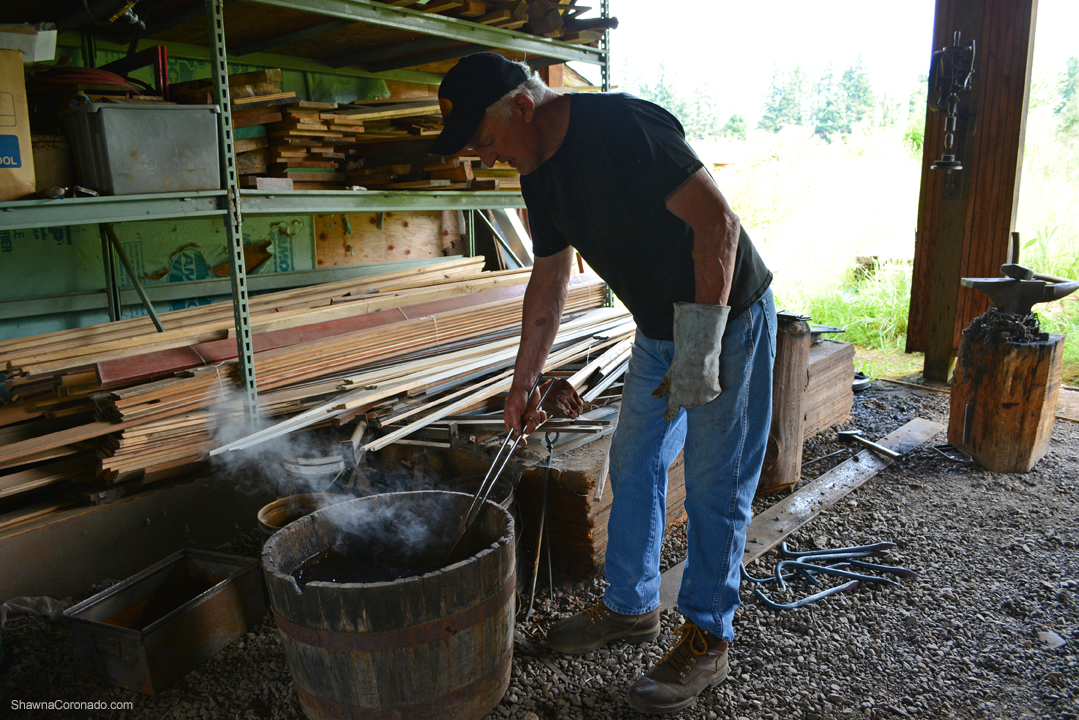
x=355, y=239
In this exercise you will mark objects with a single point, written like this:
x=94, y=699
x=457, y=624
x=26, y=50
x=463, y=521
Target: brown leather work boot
x=598, y=626
x=697, y=660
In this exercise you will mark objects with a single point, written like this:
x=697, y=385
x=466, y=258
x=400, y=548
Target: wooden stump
x=1004, y=403
x=790, y=378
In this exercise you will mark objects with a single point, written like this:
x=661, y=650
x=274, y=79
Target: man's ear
x=524, y=106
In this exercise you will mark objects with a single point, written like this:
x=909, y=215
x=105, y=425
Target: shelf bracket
x=215, y=10
x=118, y=249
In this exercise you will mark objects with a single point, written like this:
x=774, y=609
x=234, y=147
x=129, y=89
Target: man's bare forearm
x=715, y=248
x=544, y=301
x=716, y=228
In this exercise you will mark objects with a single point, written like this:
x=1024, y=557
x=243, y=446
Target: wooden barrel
x=435, y=646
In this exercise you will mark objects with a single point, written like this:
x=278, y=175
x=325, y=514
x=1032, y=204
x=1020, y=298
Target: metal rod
x=493, y=473
x=112, y=292
x=550, y=572
x=134, y=277
x=542, y=528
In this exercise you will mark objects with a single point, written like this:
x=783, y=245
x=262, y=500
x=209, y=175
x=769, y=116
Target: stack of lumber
x=547, y=18
x=285, y=143
x=304, y=147
x=256, y=99
x=261, y=87
x=373, y=144
x=119, y=405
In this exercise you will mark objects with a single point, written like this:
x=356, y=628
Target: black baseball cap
x=470, y=87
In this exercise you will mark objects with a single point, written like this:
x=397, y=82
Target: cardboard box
x=16, y=154
x=52, y=162
x=37, y=43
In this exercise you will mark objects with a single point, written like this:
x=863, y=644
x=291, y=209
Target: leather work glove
x=693, y=378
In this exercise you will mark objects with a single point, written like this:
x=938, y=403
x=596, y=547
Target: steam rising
x=292, y=464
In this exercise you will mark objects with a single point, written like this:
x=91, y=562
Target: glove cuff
x=695, y=317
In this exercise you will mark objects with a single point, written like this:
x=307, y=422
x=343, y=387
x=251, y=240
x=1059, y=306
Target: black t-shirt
x=603, y=192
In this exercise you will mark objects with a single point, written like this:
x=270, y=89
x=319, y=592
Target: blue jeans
x=724, y=443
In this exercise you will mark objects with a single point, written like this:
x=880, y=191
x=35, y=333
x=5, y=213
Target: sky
x=735, y=46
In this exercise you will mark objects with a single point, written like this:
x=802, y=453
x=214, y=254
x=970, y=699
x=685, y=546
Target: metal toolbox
x=136, y=149
x=150, y=630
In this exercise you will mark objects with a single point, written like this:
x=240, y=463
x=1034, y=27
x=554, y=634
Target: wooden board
x=770, y=527
x=1068, y=405
x=829, y=393
x=249, y=144
x=253, y=162
x=168, y=361
x=783, y=454
x=264, y=183
x=404, y=236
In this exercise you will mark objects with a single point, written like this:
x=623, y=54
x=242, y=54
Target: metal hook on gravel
x=881, y=547
x=826, y=570
x=892, y=569
x=806, y=600
x=749, y=578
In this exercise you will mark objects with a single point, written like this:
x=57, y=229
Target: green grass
x=1062, y=318
x=887, y=363
x=871, y=305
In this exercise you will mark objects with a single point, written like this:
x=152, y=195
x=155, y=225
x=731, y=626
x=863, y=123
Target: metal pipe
x=134, y=277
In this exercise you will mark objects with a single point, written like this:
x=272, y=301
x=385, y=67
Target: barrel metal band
x=380, y=641
x=415, y=711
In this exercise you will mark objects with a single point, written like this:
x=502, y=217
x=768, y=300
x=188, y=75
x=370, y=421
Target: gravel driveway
x=973, y=637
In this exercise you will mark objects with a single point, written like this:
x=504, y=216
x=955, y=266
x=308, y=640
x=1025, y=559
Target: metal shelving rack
x=232, y=203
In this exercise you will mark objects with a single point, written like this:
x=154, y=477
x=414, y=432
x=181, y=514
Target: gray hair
x=534, y=87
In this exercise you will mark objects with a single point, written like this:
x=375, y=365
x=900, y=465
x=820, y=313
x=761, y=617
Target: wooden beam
x=964, y=227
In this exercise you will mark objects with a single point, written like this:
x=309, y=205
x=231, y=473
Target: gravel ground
x=999, y=567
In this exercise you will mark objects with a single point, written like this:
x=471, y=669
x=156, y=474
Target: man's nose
x=487, y=157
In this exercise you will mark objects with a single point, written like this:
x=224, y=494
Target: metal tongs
x=498, y=465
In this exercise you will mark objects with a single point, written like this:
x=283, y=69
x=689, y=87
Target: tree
x=918, y=103
x=855, y=96
x=699, y=115
x=702, y=116
x=662, y=93
x=1068, y=108
x=889, y=110
x=828, y=108
x=1069, y=83
x=735, y=127
x=785, y=100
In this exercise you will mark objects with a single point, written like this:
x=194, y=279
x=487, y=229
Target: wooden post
x=1004, y=403
x=965, y=220
x=783, y=456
